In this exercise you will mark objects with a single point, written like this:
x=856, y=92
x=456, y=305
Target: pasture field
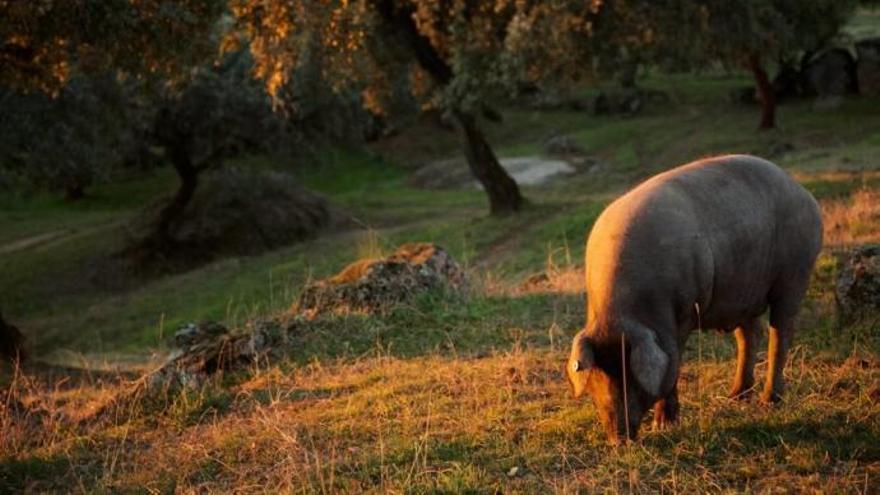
x=442, y=395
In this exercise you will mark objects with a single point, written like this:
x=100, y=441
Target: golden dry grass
x=501, y=423
x=855, y=219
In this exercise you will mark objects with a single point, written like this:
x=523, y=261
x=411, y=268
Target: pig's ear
x=580, y=362
x=648, y=363
x=581, y=358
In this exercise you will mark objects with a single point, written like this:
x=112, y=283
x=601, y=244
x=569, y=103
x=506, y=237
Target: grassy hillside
x=440, y=396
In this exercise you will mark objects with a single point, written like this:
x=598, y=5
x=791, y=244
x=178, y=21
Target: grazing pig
x=710, y=244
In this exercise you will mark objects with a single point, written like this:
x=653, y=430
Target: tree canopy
x=754, y=34
x=43, y=41
x=457, y=53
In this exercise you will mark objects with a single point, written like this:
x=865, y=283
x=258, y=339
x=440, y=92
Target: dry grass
x=501, y=423
x=852, y=220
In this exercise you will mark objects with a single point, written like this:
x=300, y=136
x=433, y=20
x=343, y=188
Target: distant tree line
x=89, y=88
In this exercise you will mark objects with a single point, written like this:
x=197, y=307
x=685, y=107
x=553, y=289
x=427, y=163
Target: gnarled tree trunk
x=766, y=95
x=11, y=341
x=503, y=192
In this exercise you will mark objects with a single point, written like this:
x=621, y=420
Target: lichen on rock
x=377, y=285
x=858, y=286
x=205, y=348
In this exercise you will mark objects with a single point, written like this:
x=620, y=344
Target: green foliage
x=774, y=31
x=44, y=43
x=68, y=142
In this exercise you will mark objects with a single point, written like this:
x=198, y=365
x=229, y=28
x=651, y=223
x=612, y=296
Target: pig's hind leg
x=783, y=313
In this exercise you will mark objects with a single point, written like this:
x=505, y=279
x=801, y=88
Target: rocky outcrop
x=858, y=286
x=377, y=285
x=831, y=73
x=563, y=145
x=203, y=349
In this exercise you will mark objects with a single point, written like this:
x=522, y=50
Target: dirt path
x=55, y=236
x=36, y=240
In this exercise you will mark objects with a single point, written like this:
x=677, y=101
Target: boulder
x=525, y=170
x=858, y=286
x=563, y=145
x=378, y=285
x=625, y=101
x=830, y=73
x=868, y=66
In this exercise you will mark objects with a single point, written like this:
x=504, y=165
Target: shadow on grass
x=835, y=437
x=55, y=473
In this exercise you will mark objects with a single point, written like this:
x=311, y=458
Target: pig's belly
x=733, y=310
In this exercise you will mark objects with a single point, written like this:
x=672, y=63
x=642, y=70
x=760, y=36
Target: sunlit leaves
x=485, y=45
x=42, y=40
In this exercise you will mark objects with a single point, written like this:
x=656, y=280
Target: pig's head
x=597, y=369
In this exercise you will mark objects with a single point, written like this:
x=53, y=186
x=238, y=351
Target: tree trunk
x=189, y=180
x=503, y=192
x=11, y=341
x=766, y=95
x=74, y=192
x=504, y=195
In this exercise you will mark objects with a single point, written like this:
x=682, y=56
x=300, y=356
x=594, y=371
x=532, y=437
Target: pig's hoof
x=663, y=424
x=660, y=425
x=769, y=399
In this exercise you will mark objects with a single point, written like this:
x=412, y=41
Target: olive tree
x=753, y=34
x=45, y=42
x=219, y=113
x=66, y=142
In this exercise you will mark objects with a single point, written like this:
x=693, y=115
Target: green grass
x=47, y=288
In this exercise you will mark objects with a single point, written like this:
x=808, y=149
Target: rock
x=626, y=100
x=206, y=348
x=443, y=174
x=563, y=145
x=533, y=170
x=858, y=286
x=868, y=66
x=779, y=148
x=378, y=285
x=455, y=173
x=831, y=73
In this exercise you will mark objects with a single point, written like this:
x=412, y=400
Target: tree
x=11, y=342
x=43, y=43
x=755, y=33
x=457, y=52
x=67, y=142
x=219, y=113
